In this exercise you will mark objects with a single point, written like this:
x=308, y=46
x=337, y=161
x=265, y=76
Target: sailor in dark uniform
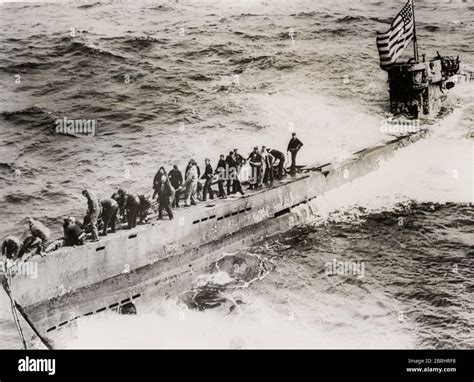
x=156, y=181
x=165, y=197
x=278, y=155
x=221, y=175
x=239, y=159
x=121, y=208
x=231, y=171
x=145, y=205
x=176, y=178
x=208, y=175
x=293, y=147
x=255, y=161
x=268, y=161
x=73, y=233
x=131, y=204
x=11, y=247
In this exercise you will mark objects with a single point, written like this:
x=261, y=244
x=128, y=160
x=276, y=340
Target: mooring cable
x=14, y=311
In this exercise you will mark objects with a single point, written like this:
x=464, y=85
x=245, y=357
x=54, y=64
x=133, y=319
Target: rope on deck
x=13, y=307
x=17, y=308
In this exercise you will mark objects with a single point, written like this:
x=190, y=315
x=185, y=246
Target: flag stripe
x=393, y=37
x=394, y=49
x=396, y=25
x=386, y=38
x=389, y=47
x=390, y=59
x=393, y=42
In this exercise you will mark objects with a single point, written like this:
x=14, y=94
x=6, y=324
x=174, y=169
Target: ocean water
x=167, y=81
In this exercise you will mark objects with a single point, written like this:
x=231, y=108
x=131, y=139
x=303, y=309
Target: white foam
x=256, y=325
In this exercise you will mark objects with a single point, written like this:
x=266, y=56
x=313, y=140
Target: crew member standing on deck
x=239, y=159
x=268, y=161
x=156, y=181
x=208, y=175
x=255, y=161
x=231, y=172
x=239, y=162
x=192, y=163
x=165, y=196
x=192, y=176
x=293, y=147
x=176, y=179
x=93, y=212
x=221, y=175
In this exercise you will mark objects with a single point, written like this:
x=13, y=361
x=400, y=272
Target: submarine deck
x=200, y=209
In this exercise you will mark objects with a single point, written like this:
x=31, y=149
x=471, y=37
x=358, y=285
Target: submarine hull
x=163, y=258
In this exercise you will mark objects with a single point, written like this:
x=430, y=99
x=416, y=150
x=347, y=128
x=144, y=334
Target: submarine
x=130, y=269
x=126, y=272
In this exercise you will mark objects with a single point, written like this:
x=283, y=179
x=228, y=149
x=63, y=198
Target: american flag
x=392, y=43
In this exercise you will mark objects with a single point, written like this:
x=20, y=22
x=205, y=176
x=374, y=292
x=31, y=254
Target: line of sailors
x=169, y=189
x=102, y=211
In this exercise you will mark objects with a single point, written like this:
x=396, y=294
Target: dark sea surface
x=169, y=81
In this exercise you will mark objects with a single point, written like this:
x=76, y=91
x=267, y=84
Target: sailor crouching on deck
x=121, y=208
x=93, y=213
x=165, y=196
x=131, y=204
x=109, y=214
x=144, y=209
x=39, y=238
x=278, y=155
x=11, y=247
x=73, y=233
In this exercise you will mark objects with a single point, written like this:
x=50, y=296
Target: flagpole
x=415, y=45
